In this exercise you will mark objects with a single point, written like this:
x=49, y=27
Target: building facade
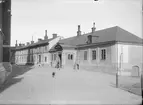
x=35, y=53
x=112, y=50
x=5, y=34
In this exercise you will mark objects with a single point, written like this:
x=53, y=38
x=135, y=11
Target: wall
x=53, y=61
x=98, y=60
x=0, y=15
x=129, y=55
x=107, y=65
x=6, y=28
x=66, y=61
x=1, y=48
x=1, y=41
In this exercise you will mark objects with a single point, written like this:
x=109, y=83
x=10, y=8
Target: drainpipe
x=117, y=66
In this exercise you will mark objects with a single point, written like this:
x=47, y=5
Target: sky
x=33, y=17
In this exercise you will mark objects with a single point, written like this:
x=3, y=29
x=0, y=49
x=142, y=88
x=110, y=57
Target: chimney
x=78, y=32
x=16, y=44
x=39, y=39
x=93, y=28
x=20, y=44
x=28, y=43
x=54, y=35
x=32, y=42
x=45, y=37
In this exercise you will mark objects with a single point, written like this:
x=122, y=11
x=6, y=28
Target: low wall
x=5, y=70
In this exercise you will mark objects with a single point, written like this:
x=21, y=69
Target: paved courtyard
x=68, y=87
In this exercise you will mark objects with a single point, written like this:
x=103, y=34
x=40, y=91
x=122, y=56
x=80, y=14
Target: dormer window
x=89, y=39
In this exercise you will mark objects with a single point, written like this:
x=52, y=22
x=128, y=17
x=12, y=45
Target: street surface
x=37, y=86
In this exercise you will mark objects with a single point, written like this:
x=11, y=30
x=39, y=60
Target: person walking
x=53, y=74
x=77, y=64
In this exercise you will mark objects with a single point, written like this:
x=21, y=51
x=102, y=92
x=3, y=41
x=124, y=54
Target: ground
x=36, y=85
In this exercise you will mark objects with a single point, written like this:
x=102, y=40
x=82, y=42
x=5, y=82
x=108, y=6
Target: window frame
x=104, y=55
x=69, y=56
x=95, y=54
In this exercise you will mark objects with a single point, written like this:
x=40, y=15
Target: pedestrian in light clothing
x=76, y=65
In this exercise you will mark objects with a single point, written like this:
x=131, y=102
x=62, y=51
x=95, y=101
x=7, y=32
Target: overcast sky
x=33, y=17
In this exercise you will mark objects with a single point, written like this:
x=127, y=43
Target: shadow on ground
x=135, y=89
x=9, y=83
x=13, y=77
x=19, y=70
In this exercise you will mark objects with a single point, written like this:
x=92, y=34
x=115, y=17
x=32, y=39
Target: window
x=89, y=39
x=85, y=55
x=45, y=59
x=103, y=54
x=93, y=54
x=69, y=56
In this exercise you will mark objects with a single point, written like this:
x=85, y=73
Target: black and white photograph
x=71, y=52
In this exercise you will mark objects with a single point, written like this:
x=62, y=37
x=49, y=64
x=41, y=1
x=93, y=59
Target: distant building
x=35, y=53
x=108, y=50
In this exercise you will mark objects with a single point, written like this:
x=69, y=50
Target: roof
x=53, y=49
x=35, y=44
x=112, y=34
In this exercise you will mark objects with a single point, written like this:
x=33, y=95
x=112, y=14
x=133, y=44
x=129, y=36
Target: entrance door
x=60, y=59
x=39, y=58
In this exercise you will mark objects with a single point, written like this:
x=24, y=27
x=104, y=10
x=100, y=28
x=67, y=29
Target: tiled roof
x=115, y=33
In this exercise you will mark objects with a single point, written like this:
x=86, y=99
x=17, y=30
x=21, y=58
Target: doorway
x=39, y=58
x=60, y=59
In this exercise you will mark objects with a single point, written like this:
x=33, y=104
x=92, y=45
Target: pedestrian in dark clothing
x=53, y=74
x=77, y=66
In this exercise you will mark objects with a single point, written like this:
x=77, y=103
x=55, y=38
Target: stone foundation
x=5, y=70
